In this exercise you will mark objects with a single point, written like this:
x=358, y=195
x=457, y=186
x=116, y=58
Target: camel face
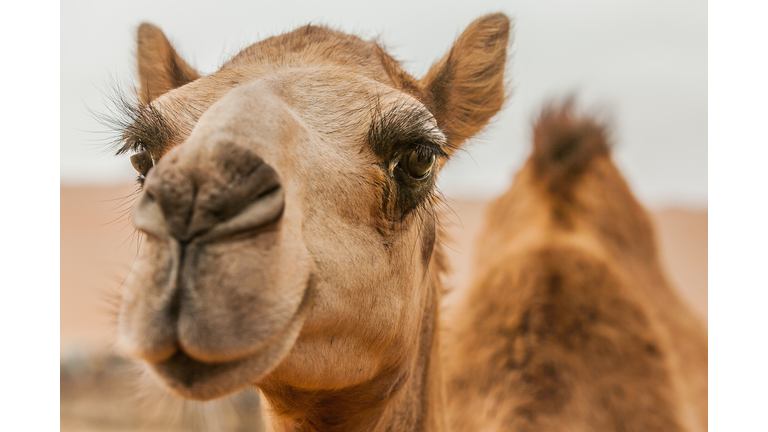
x=261, y=216
x=288, y=206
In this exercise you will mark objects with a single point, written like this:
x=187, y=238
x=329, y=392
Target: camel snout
x=244, y=194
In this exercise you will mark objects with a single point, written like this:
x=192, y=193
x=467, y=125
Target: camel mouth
x=197, y=380
x=193, y=379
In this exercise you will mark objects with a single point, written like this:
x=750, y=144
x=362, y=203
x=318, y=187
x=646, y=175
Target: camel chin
x=203, y=381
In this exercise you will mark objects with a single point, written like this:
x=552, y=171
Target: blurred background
x=643, y=65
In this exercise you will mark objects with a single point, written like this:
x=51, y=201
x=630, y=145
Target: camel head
x=288, y=207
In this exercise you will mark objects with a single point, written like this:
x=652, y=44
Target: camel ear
x=466, y=87
x=160, y=67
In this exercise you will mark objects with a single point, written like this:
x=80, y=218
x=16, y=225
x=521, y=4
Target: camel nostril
x=243, y=193
x=238, y=193
x=194, y=190
x=259, y=214
x=148, y=216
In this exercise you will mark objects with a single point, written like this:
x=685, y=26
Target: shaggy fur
x=570, y=320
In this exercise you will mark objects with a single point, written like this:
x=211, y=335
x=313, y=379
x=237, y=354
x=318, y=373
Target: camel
x=288, y=210
x=570, y=320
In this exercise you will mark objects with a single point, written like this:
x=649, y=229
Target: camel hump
x=564, y=144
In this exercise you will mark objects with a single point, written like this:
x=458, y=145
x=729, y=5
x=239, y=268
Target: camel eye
x=142, y=163
x=417, y=164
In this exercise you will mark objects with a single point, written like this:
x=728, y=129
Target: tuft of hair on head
x=565, y=142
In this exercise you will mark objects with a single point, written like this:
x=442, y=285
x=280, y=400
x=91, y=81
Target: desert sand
x=98, y=246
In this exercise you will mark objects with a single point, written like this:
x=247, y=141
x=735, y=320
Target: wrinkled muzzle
x=220, y=288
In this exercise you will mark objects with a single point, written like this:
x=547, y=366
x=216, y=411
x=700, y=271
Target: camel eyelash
x=422, y=149
x=401, y=128
x=133, y=126
x=131, y=145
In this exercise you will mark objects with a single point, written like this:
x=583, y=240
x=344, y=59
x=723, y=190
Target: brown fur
x=160, y=67
x=571, y=323
x=286, y=246
x=465, y=91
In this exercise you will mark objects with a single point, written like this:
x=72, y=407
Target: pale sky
x=642, y=63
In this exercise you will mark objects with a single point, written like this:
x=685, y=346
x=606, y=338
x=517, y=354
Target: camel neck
x=409, y=397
